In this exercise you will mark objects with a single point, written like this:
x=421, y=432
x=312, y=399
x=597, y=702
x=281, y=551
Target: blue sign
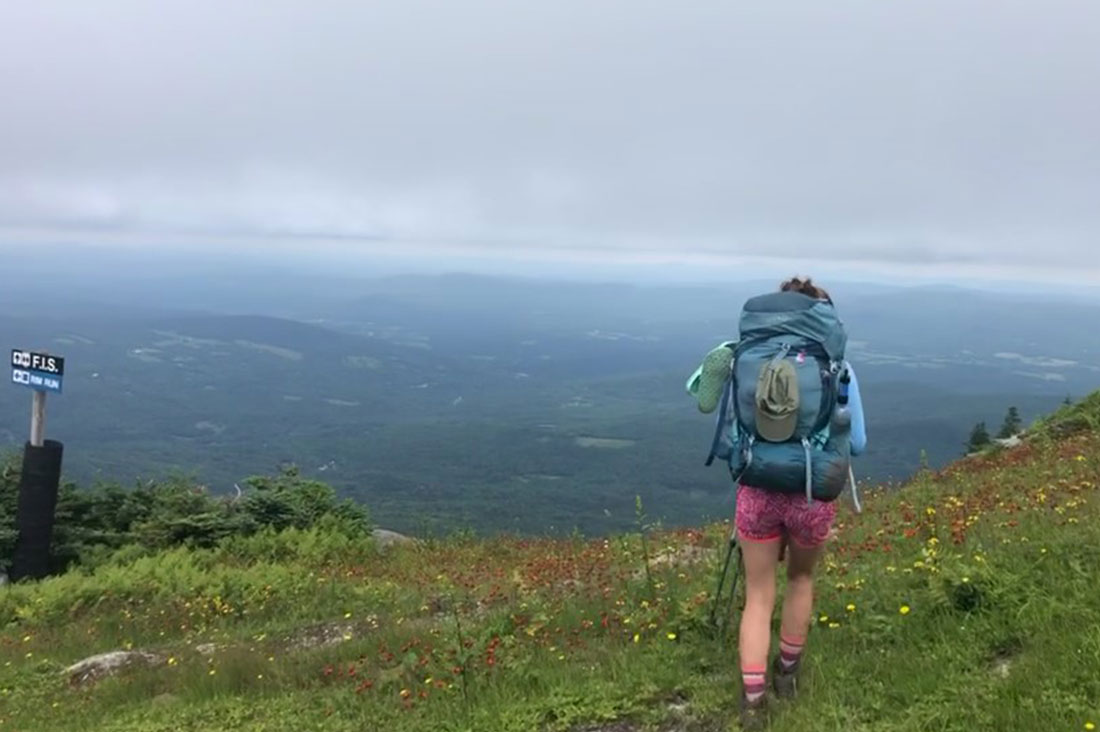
x=37, y=371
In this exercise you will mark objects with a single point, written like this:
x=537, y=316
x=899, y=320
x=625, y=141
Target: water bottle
x=841, y=423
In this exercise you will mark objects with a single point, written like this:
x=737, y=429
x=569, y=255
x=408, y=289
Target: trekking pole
x=723, y=625
x=722, y=577
x=855, y=489
x=733, y=598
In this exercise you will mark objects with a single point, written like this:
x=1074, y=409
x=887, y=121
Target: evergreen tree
x=1012, y=426
x=979, y=438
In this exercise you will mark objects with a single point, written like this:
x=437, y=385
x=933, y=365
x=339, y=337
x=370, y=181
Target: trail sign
x=41, y=474
x=38, y=371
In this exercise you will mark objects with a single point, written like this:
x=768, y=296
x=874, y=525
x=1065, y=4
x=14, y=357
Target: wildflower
x=213, y=672
x=851, y=608
x=26, y=639
x=260, y=677
x=823, y=619
x=405, y=693
x=834, y=626
x=966, y=580
x=904, y=610
x=671, y=636
x=1090, y=726
x=347, y=616
x=172, y=661
x=637, y=638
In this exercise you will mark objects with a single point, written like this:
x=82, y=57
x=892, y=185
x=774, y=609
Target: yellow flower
x=1090, y=726
x=834, y=626
x=637, y=638
x=347, y=616
x=213, y=672
x=904, y=610
x=172, y=661
x=824, y=619
x=260, y=677
x=851, y=608
x=672, y=636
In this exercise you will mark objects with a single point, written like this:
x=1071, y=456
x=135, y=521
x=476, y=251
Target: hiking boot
x=785, y=683
x=754, y=715
x=713, y=375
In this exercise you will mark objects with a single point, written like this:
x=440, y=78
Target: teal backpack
x=784, y=382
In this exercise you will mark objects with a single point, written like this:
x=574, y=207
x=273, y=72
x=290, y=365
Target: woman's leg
x=798, y=603
x=808, y=527
x=761, y=559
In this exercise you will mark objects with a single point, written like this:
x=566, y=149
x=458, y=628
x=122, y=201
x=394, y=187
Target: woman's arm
x=855, y=406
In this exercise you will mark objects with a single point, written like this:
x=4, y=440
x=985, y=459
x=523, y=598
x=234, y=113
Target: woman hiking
x=790, y=462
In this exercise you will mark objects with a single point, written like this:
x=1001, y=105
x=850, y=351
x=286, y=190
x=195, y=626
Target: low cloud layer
x=957, y=133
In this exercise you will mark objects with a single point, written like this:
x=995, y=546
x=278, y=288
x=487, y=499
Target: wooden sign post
x=38, y=419
x=41, y=474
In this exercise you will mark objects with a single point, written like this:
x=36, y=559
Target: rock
x=321, y=636
x=108, y=664
x=683, y=556
x=385, y=538
x=206, y=649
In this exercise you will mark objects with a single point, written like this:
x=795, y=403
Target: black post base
x=38, y=486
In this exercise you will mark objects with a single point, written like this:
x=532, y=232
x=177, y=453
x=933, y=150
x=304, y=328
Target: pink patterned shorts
x=764, y=516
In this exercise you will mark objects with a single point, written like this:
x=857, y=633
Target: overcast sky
x=952, y=133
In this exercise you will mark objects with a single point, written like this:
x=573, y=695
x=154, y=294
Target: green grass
x=965, y=601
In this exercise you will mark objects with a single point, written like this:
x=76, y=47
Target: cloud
x=946, y=133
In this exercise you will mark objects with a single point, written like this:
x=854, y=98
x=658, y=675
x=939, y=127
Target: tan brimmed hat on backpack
x=777, y=401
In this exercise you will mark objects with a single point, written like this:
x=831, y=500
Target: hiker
x=790, y=420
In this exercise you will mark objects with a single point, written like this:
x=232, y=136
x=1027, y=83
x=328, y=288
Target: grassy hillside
x=965, y=601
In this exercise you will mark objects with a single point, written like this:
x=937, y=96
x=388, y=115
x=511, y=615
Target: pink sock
x=790, y=651
x=754, y=682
